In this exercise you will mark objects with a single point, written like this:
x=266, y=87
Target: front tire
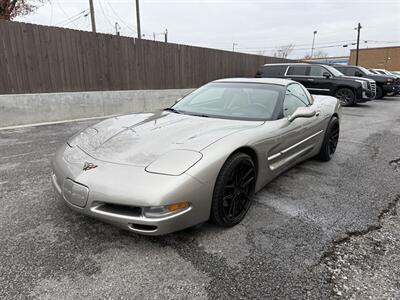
x=233, y=190
x=379, y=92
x=346, y=96
x=331, y=139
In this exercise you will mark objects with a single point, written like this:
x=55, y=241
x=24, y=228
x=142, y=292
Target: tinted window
x=294, y=98
x=317, y=71
x=298, y=70
x=341, y=69
x=352, y=71
x=273, y=70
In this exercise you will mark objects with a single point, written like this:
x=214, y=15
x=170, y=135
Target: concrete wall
x=25, y=109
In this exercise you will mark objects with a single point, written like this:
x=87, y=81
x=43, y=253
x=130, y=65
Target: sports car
x=201, y=159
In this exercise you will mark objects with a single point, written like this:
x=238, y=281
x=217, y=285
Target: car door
x=296, y=138
x=318, y=83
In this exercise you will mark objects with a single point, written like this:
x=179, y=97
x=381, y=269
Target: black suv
x=384, y=83
x=323, y=80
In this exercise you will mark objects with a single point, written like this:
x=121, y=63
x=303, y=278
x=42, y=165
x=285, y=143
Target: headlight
x=175, y=162
x=163, y=211
x=389, y=81
x=364, y=84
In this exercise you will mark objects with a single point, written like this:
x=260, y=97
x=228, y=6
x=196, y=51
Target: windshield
x=366, y=71
x=233, y=100
x=334, y=71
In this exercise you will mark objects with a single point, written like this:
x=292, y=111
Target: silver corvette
x=202, y=159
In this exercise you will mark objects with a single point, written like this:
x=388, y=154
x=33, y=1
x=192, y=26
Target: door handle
x=317, y=113
x=310, y=79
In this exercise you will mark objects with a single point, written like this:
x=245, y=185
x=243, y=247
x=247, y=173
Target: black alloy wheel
x=233, y=190
x=346, y=96
x=331, y=140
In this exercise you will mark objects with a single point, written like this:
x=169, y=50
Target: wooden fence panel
x=41, y=59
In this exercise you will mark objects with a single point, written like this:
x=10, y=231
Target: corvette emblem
x=88, y=166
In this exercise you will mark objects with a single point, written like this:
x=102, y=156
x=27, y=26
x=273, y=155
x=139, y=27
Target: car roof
x=277, y=81
x=290, y=64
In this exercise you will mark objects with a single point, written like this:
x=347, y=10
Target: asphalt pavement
x=292, y=244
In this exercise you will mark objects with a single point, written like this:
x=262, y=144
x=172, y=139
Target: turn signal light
x=177, y=206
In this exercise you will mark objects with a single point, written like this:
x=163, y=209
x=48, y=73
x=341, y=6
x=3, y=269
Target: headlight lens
x=389, y=81
x=163, y=211
x=364, y=84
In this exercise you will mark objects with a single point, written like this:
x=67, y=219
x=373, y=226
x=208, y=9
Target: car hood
x=356, y=78
x=380, y=77
x=140, y=139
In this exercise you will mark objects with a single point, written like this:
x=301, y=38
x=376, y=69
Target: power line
x=122, y=21
x=74, y=16
x=103, y=12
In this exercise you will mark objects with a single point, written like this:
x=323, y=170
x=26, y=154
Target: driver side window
x=294, y=98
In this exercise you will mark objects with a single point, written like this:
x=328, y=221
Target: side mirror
x=302, y=112
x=326, y=75
x=358, y=74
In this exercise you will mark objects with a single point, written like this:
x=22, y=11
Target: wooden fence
x=41, y=59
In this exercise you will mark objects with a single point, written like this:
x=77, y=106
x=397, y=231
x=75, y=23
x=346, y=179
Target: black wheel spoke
x=237, y=190
x=246, y=184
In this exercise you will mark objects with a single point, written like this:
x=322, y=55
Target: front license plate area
x=75, y=193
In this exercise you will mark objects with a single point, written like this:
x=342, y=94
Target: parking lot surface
x=288, y=246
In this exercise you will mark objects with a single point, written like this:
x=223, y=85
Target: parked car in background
x=384, y=83
x=323, y=80
x=384, y=72
x=390, y=73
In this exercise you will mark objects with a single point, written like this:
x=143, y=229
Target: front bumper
x=390, y=88
x=119, y=201
x=368, y=94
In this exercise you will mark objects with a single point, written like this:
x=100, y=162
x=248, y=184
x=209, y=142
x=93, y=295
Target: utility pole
x=313, y=41
x=138, y=20
x=358, y=41
x=166, y=36
x=92, y=15
x=117, y=27
x=233, y=46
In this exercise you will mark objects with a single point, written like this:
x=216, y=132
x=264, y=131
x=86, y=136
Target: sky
x=259, y=27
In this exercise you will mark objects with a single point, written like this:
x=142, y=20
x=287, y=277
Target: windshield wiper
x=173, y=110
x=199, y=115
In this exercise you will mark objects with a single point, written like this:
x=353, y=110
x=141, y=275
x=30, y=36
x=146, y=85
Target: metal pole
x=313, y=41
x=233, y=46
x=138, y=19
x=154, y=36
x=358, y=42
x=92, y=15
x=166, y=36
x=116, y=28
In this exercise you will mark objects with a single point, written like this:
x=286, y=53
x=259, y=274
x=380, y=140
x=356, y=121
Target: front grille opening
x=142, y=227
x=125, y=210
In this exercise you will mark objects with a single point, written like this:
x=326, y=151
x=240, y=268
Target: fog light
x=162, y=211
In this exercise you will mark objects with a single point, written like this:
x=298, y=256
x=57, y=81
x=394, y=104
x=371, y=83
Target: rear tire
x=233, y=190
x=379, y=92
x=346, y=96
x=331, y=139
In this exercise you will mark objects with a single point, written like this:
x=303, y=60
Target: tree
x=319, y=54
x=284, y=51
x=10, y=9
